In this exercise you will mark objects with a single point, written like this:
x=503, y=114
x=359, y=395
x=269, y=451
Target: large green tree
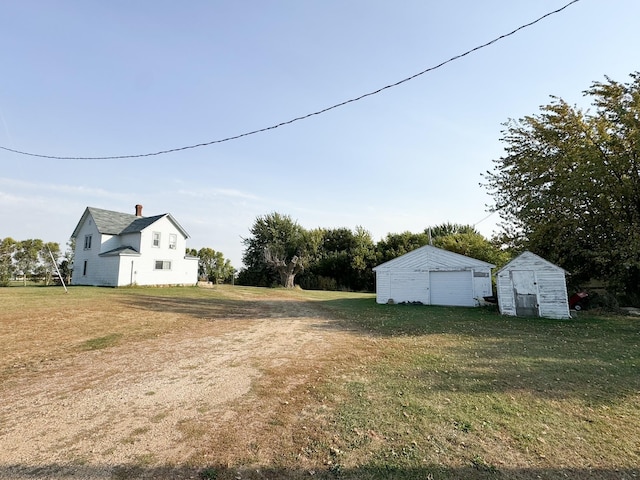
x=66, y=265
x=7, y=250
x=474, y=245
x=569, y=184
x=343, y=261
x=278, y=248
x=396, y=244
x=448, y=228
x=26, y=256
x=214, y=266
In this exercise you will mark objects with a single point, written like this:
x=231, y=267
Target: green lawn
x=467, y=393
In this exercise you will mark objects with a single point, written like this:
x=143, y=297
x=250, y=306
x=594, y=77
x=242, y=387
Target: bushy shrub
x=603, y=301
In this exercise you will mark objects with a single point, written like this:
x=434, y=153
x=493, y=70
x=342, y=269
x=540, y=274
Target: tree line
x=33, y=259
x=280, y=251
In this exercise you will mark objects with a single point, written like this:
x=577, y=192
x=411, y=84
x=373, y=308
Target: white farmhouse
x=433, y=276
x=530, y=286
x=114, y=249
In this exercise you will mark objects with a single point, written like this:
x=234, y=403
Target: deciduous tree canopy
x=213, y=266
x=569, y=184
x=342, y=259
x=279, y=248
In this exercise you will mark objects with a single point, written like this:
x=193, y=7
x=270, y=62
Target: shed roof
x=429, y=257
x=529, y=260
x=109, y=222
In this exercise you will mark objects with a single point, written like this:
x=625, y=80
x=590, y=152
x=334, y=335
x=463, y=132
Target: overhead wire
x=303, y=117
x=484, y=218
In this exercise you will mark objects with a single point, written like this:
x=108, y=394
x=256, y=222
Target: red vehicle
x=578, y=300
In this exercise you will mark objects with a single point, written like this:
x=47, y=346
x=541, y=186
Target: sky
x=119, y=78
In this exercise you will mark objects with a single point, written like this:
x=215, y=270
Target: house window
x=173, y=240
x=84, y=268
x=163, y=265
x=87, y=242
x=156, y=239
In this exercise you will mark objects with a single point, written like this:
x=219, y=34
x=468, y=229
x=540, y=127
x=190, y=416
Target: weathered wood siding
x=552, y=294
x=504, y=290
x=550, y=286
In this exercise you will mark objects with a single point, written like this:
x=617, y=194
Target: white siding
x=382, y=286
x=97, y=271
x=414, y=276
x=552, y=295
x=431, y=258
x=110, y=242
x=550, y=286
x=183, y=270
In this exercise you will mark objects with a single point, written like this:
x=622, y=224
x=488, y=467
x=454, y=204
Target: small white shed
x=530, y=286
x=433, y=276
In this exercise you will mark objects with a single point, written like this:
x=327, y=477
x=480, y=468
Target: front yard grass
x=467, y=393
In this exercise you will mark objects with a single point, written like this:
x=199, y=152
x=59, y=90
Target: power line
x=303, y=117
x=484, y=218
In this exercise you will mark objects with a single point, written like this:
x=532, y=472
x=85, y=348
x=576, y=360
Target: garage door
x=452, y=288
x=409, y=287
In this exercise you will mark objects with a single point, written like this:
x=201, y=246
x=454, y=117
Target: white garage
x=433, y=276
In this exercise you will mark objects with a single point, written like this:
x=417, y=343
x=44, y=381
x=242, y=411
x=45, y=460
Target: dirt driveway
x=173, y=400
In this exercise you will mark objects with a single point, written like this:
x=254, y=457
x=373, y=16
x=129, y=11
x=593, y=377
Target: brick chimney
x=138, y=210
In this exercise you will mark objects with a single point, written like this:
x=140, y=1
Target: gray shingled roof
x=116, y=223
x=140, y=223
x=109, y=222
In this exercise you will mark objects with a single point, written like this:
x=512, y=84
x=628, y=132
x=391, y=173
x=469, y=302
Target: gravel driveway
x=89, y=414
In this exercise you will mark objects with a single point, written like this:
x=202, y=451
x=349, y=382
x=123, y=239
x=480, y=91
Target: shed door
x=525, y=292
x=452, y=288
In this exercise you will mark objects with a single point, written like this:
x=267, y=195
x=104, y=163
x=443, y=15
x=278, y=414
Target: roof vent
x=138, y=210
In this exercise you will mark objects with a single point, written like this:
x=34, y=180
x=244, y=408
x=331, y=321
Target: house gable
x=123, y=251
x=429, y=258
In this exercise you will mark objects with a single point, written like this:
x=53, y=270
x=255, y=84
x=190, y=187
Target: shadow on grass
x=203, y=308
x=435, y=472
x=472, y=350
x=480, y=351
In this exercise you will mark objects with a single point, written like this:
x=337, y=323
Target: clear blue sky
x=120, y=78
